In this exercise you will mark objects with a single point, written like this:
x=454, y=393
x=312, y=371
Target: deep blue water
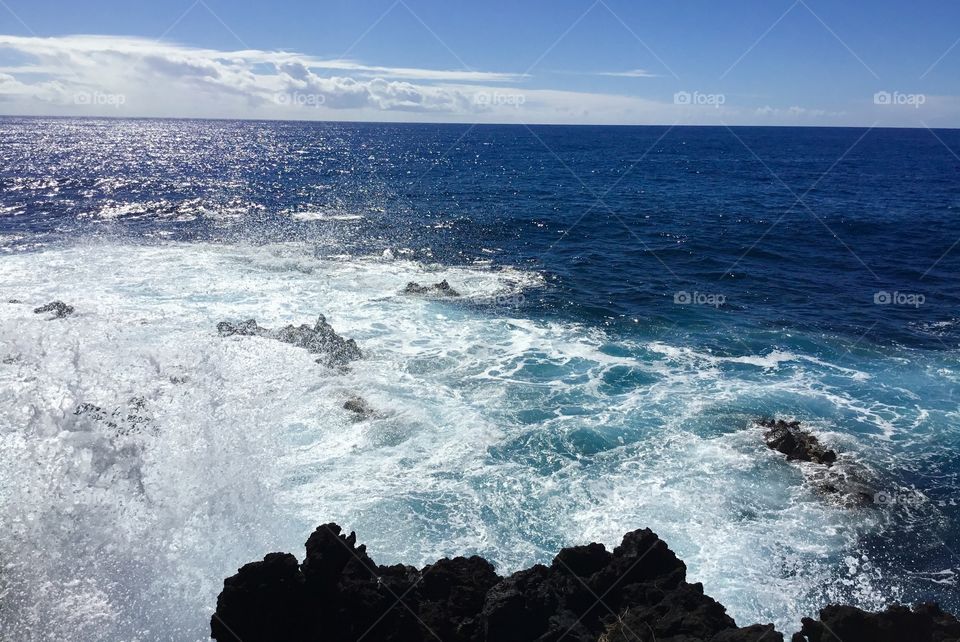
x=795, y=227
x=807, y=272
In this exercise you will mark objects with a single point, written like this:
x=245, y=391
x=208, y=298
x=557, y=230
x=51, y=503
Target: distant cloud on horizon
x=633, y=73
x=99, y=75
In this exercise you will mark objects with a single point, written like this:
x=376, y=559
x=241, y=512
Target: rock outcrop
x=847, y=483
x=790, y=439
x=59, y=309
x=438, y=289
x=320, y=339
x=636, y=592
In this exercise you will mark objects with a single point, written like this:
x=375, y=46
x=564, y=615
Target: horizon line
x=467, y=122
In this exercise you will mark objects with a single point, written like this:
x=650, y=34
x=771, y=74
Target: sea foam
x=494, y=434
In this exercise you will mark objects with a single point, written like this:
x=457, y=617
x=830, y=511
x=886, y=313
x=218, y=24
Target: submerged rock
x=360, y=408
x=440, y=289
x=339, y=593
x=849, y=489
x=59, y=309
x=320, y=339
x=925, y=623
x=794, y=442
x=129, y=418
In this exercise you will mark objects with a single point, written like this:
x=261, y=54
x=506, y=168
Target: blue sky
x=786, y=62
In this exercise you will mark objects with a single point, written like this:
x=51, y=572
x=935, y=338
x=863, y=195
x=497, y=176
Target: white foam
x=496, y=435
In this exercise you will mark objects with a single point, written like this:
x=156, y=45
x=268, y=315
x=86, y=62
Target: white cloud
x=632, y=73
x=796, y=112
x=127, y=76
x=156, y=78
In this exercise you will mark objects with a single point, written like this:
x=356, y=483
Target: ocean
x=633, y=299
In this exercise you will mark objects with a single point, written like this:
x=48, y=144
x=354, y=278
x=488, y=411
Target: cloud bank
x=95, y=75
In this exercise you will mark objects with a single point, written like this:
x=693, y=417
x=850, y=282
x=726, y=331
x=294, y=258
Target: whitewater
x=494, y=434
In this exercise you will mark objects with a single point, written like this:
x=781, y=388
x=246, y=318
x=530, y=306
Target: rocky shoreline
x=637, y=592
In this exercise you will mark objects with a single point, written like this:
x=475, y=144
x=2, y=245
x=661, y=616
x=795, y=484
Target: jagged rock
x=59, y=309
x=360, y=408
x=320, y=339
x=440, y=289
x=340, y=594
x=328, y=553
x=925, y=623
x=638, y=592
x=794, y=442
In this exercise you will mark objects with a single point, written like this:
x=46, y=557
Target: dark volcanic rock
x=263, y=601
x=630, y=628
x=638, y=591
x=440, y=289
x=796, y=443
x=59, y=309
x=925, y=623
x=753, y=633
x=339, y=593
x=320, y=339
x=848, y=484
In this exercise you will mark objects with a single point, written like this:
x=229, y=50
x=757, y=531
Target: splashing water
x=144, y=458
